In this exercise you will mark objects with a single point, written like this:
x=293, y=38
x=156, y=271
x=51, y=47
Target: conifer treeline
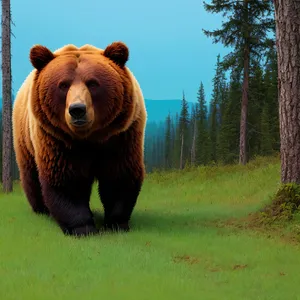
x=241, y=120
x=210, y=133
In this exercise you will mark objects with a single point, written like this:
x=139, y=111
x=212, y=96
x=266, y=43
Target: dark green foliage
x=235, y=32
x=229, y=132
x=266, y=138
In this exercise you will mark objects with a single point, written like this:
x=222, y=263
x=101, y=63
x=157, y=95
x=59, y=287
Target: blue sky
x=168, y=51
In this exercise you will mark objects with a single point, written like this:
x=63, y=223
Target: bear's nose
x=77, y=110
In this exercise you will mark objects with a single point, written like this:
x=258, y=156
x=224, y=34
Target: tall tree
x=246, y=31
x=287, y=16
x=246, y=46
x=6, y=99
x=229, y=132
x=193, y=129
x=202, y=139
x=213, y=112
x=184, y=131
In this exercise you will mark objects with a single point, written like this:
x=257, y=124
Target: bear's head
x=82, y=92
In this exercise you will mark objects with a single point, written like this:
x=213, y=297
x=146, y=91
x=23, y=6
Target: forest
x=209, y=134
x=240, y=120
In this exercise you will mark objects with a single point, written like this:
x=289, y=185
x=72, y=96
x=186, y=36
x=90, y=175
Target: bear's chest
x=81, y=160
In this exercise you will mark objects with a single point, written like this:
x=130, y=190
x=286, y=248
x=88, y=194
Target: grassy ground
x=181, y=245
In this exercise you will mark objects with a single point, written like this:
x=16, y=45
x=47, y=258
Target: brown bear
x=79, y=117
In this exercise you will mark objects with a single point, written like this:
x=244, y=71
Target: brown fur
x=58, y=161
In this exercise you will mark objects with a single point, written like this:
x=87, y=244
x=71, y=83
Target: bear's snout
x=78, y=113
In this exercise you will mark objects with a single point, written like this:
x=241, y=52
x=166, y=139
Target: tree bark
x=244, y=110
x=287, y=16
x=7, y=101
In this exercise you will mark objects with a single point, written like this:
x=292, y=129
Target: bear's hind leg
x=31, y=184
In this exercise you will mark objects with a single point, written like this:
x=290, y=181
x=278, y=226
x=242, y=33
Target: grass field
x=179, y=248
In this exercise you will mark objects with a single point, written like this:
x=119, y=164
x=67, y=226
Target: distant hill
x=158, y=110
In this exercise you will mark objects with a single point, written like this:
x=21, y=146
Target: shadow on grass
x=156, y=221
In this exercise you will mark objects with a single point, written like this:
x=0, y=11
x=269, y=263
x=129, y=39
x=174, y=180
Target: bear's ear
x=118, y=52
x=40, y=56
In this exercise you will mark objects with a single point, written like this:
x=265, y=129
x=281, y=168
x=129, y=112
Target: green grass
x=177, y=248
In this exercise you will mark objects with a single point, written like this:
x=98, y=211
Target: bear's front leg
x=69, y=206
x=119, y=196
x=121, y=175
x=120, y=182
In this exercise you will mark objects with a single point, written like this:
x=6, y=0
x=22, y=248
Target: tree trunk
x=181, y=152
x=244, y=111
x=7, y=101
x=287, y=16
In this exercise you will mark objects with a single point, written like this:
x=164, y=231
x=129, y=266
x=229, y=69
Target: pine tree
x=202, y=138
x=246, y=32
x=193, y=133
x=229, y=132
x=184, y=131
x=215, y=109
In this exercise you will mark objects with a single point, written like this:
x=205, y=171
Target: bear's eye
x=92, y=84
x=64, y=85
